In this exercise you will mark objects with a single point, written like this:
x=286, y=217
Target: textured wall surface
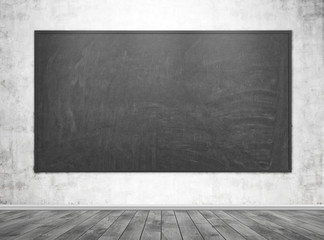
x=20, y=185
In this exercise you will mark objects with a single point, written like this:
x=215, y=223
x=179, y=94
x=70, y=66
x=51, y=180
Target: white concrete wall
x=20, y=185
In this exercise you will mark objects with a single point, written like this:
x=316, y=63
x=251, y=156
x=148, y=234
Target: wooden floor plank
x=135, y=228
x=152, y=229
x=4, y=211
x=10, y=215
x=225, y=230
x=9, y=212
x=81, y=228
x=187, y=227
x=238, y=226
x=255, y=226
x=287, y=233
x=304, y=224
x=319, y=220
x=117, y=228
x=97, y=230
x=317, y=213
x=165, y=225
x=204, y=227
x=46, y=227
x=302, y=217
x=3, y=214
x=271, y=216
x=21, y=218
x=170, y=228
x=29, y=226
x=56, y=232
x=20, y=224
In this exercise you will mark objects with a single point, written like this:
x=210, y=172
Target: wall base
x=162, y=207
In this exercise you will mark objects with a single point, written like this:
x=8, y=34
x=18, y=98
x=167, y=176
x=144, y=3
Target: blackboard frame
x=36, y=99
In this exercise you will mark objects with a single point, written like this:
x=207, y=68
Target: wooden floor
x=151, y=225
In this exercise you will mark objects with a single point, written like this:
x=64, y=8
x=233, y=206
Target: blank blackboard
x=162, y=101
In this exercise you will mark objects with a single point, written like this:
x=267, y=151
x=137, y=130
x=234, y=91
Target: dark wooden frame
x=288, y=32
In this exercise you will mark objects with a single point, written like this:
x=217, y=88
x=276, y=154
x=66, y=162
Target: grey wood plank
x=56, y=232
x=117, y=228
x=287, y=233
x=12, y=215
x=135, y=228
x=204, y=227
x=271, y=216
x=255, y=226
x=316, y=229
x=170, y=228
x=152, y=229
x=314, y=217
x=22, y=217
x=93, y=225
x=8, y=215
x=4, y=211
x=238, y=226
x=304, y=218
x=21, y=229
x=225, y=230
x=187, y=227
x=97, y=230
x=21, y=223
x=317, y=213
x=81, y=228
x=48, y=226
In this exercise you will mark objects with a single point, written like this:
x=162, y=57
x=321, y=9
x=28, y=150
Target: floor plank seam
x=178, y=224
x=26, y=233
x=76, y=224
x=66, y=222
x=262, y=225
x=302, y=227
x=95, y=225
x=288, y=231
x=232, y=227
x=127, y=225
x=195, y=225
x=111, y=225
x=144, y=225
x=161, y=237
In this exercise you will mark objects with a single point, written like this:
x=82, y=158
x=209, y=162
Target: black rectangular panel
x=162, y=101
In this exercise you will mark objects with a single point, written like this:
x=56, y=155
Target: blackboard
x=162, y=101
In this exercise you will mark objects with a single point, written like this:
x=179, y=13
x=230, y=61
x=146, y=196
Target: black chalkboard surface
x=162, y=101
